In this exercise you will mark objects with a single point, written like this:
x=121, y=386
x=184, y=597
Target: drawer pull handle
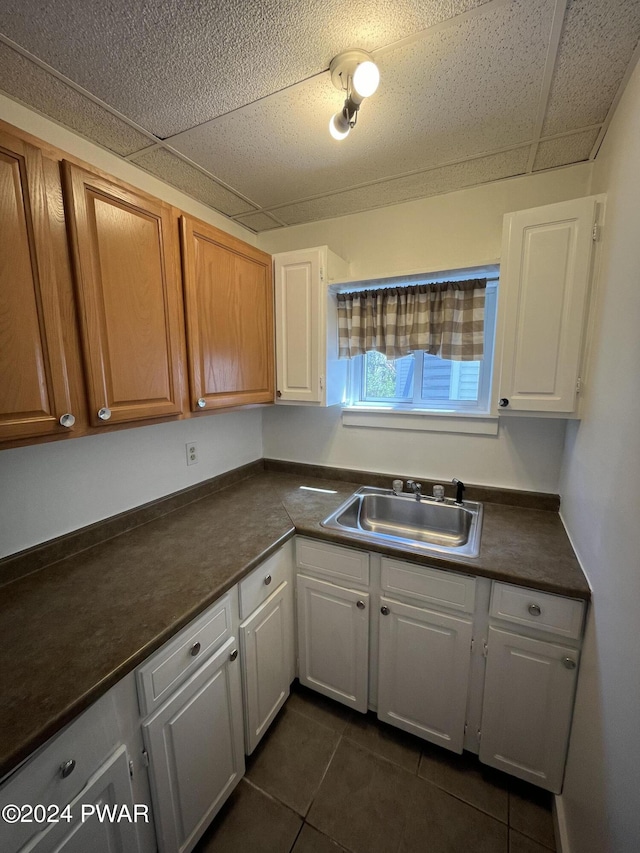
x=569, y=663
x=195, y=649
x=67, y=768
x=267, y=580
x=534, y=609
x=233, y=655
x=360, y=605
x=385, y=610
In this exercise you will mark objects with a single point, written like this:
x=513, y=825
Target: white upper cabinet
x=307, y=366
x=544, y=286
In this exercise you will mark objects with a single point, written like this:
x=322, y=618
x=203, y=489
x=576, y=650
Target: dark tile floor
x=326, y=779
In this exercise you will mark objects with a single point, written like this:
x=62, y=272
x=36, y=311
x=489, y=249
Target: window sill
x=421, y=421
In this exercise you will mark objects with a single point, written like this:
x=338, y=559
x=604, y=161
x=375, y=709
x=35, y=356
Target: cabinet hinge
x=579, y=385
x=322, y=383
x=479, y=735
x=145, y=757
x=472, y=643
x=466, y=726
x=321, y=273
x=595, y=232
x=485, y=648
x=131, y=768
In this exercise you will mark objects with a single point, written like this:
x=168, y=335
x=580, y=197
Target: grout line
x=326, y=770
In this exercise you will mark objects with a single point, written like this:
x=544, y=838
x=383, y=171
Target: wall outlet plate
x=192, y=452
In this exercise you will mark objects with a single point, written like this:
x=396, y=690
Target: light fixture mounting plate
x=344, y=64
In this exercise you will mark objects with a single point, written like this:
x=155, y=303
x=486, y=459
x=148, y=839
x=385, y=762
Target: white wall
x=50, y=489
x=600, y=489
x=445, y=232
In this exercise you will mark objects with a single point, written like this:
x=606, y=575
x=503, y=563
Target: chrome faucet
x=415, y=488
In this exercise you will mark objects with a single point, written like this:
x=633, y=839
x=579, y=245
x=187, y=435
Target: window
x=422, y=382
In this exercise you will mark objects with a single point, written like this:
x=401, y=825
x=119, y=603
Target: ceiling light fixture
x=355, y=73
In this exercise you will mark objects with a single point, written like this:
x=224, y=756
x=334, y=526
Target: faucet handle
x=397, y=487
x=438, y=492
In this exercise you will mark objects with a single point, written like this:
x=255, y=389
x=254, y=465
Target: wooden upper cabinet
x=125, y=257
x=34, y=387
x=229, y=307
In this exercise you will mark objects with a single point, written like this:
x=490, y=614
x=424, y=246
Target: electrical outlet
x=192, y=453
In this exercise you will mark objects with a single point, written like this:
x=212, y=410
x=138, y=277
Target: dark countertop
x=72, y=630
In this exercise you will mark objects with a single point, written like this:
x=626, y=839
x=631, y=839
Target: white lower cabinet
x=266, y=644
x=333, y=640
x=196, y=754
x=528, y=703
x=423, y=671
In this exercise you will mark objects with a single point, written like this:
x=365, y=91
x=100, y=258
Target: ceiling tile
x=597, y=43
x=441, y=180
x=172, y=65
x=564, y=150
x=172, y=169
x=22, y=79
x=464, y=90
x=258, y=222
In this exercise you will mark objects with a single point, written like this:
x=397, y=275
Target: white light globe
x=339, y=126
x=366, y=78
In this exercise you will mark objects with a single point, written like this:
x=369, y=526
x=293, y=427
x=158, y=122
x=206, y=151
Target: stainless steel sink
x=428, y=526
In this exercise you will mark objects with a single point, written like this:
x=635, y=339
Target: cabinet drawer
x=543, y=611
x=264, y=580
x=87, y=741
x=333, y=561
x=178, y=658
x=447, y=589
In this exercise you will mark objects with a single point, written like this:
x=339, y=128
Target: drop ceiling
x=230, y=102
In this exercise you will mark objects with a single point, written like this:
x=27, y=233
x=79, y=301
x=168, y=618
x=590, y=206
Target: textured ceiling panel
x=433, y=182
x=29, y=83
x=172, y=65
x=464, y=90
x=564, y=150
x=258, y=221
x=597, y=44
x=163, y=164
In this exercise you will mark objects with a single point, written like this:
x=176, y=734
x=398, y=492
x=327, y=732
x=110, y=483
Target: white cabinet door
x=333, y=641
x=266, y=642
x=103, y=817
x=544, y=282
x=528, y=703
x=423, y=672
x=196, y=753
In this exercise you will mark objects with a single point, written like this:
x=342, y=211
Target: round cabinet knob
x=504, y=402
x=67, y=768
x=385, y=610
x=233, y=655
x=569, y=663
x=202, y=403
x=278, y=394
x=534, y=609
x=267, y=580
x=67, y=420
x=195, y=649
x=360, y=605
x=104, y=413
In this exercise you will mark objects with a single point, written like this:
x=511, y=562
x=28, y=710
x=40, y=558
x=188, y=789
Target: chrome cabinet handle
x=67, y=420
x=104, y=413
x=195, y=649
x=504, y=402
x=67, y=768
x=534, y=609
x=360, y=605
x=267, y=580
x=202, y=403
x=385, y=610
x=569, y=663
x=233, y=655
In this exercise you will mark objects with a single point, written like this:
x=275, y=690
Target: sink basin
x=428, y=526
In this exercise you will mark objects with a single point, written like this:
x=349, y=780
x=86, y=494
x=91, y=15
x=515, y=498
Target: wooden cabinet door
x=105, y=802
x=266, y=642
x=527, y=707
x=333, y=641
x=423, y=672
x=544, y=284
x=229, y=306
x=196, y=752
x=34, y=385
x=300, y=332
x=128, y=283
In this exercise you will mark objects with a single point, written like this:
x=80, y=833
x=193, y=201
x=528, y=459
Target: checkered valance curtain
x=443, y=319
